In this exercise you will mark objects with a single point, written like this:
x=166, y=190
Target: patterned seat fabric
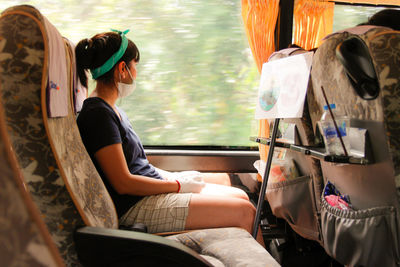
x=79, y=174
x=384, y=48
x=384, y=45
x=24, y=240
x=23, y=76
x=60, y=175
x=372, y=189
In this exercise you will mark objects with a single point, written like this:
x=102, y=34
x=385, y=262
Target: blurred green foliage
x=346, y=16
x=197, y=82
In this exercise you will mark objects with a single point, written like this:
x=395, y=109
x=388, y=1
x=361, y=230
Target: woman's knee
x=241, y=194
x=249, y=211
x=212, y=211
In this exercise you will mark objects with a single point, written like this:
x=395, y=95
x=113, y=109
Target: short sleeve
x=98, y=128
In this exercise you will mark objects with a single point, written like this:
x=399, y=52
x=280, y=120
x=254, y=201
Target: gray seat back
x=284, y=197
x=368, y=235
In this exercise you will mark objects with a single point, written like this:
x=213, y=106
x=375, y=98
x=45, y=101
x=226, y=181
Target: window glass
x=197, y=81
x=346, y=16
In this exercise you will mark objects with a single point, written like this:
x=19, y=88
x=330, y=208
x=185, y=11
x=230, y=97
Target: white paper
x=260, y=166
x=283, y=87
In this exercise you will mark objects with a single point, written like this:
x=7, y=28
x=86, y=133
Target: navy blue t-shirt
x=99, y=127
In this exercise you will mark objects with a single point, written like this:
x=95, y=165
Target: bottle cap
x=331, y=105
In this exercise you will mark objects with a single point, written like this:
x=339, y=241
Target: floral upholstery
x=22, y=241
x=372, y=186
x=22, y=60
x=388, y=67
x=384, y=45
x=83, y=181
x=325, y=63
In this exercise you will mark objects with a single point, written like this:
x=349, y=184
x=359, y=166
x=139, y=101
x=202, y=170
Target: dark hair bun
x=85, y=52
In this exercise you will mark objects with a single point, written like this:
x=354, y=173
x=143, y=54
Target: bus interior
x=210, y=99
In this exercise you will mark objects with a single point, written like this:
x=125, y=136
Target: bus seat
x=23, y=80
x=369, y=233
x=354, y=55
x=61, y=177
x=24, y=240
x=284, y=197
x=208, y=247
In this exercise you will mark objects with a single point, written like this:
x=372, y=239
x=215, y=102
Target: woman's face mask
x=125, y=89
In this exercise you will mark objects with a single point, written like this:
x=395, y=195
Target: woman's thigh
x=216, y=178
x=212, y=211
x=160, y=213
x=222, y=190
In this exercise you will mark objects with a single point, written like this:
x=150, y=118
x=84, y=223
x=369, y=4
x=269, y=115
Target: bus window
x=197, y=81
x=346, y=16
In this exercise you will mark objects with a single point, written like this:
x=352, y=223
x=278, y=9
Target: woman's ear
x=121, y=68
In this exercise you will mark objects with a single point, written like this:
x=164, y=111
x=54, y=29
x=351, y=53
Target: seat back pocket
x=360, y=237
x=293, y=200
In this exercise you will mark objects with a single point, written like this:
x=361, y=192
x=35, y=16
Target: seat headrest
x=353, y=53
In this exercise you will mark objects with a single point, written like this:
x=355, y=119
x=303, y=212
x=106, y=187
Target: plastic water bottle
x=329, y=133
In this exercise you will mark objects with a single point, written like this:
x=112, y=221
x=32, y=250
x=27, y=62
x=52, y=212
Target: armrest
x=111, y=247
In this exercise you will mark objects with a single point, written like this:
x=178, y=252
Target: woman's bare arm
x=112, y=161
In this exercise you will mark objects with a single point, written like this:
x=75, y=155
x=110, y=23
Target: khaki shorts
x=160, y=213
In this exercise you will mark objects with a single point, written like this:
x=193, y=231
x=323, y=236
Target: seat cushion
x=226, y=247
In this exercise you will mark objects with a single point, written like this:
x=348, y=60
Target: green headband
x=97, y=72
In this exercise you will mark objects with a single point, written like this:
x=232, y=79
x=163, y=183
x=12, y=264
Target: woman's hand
x=188, y=181
x=190, y=185
x=190, y=175
x=173, y=176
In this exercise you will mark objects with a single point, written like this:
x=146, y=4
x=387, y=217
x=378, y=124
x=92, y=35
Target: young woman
x=161, y=200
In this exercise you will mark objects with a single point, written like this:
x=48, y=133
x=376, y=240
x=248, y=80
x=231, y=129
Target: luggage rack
x=315, y=152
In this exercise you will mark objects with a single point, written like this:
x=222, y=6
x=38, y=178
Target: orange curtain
x=313, y=20
x=259, y=17
x=374, y=2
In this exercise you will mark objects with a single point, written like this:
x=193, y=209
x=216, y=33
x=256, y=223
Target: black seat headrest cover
x=353, y=53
